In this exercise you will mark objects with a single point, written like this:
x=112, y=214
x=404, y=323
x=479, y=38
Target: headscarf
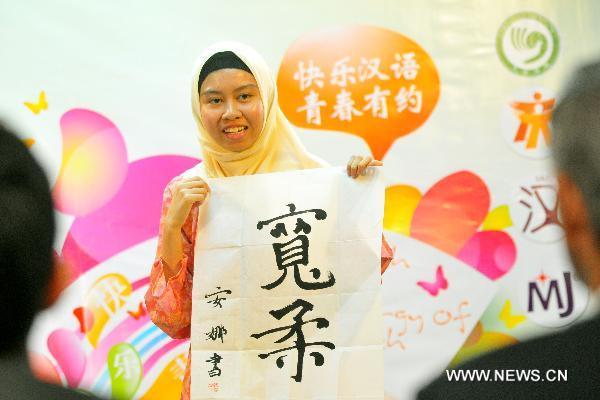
x=277, y=147
x=221, y=60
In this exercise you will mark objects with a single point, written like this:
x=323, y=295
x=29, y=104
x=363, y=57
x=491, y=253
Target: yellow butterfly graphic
x=509, y=319
x=28, y=142
x=42, y=104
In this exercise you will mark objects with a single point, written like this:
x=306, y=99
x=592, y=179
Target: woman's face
x=231, y=109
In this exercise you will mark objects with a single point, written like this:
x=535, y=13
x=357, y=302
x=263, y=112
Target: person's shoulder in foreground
x=563, y=365
x=18, y=383
x=29, y=279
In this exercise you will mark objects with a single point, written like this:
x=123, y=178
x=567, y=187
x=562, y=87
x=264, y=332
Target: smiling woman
x=241, y=128
x=242, y=131
x=231, y=109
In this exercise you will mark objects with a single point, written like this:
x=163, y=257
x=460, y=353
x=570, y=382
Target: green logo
x=527, y=44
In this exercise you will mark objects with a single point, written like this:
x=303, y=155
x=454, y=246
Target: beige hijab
x=277, y=147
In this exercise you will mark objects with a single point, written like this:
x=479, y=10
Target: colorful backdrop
x=454, y=96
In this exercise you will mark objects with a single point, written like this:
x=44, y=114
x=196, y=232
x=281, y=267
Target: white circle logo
x=527, y=44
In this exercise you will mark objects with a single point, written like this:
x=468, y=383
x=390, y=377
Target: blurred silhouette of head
x=26, y=238
x=576, y=151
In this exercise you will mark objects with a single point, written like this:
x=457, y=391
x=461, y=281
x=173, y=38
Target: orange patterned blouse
x=169, y=303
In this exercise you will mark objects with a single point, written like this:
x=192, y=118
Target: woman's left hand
x=358, y=165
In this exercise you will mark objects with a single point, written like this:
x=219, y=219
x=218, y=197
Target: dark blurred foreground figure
x=28, y=279
x=576, y=127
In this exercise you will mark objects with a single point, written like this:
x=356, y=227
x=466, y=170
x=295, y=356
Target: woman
x=242, y=132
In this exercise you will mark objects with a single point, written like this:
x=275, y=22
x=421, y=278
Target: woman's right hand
x=185, y=194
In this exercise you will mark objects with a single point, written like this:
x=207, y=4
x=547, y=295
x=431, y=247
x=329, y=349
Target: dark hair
x=576, y=131
x=221, y=60
x=26, y=238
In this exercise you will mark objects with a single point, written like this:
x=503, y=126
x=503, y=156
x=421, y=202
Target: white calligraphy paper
x=290, y=307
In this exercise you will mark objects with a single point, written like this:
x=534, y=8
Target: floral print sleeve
x=169, y=302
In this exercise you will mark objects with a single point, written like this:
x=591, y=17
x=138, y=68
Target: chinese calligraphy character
x=534, y=117
x=369, y=69
x=215, y=359
x=319, y=215
x=216, y=333
x=300, y=341
x=295, y=252
x=405, y=66
x=313, y=108
x=550, y=212
x=217, y=300
x=109, y=295
x=377, y=102
x=341, y=73
x=410, y=99
x=309, y=75
x=178, y=368
x=126, y=363
x=344, y=108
